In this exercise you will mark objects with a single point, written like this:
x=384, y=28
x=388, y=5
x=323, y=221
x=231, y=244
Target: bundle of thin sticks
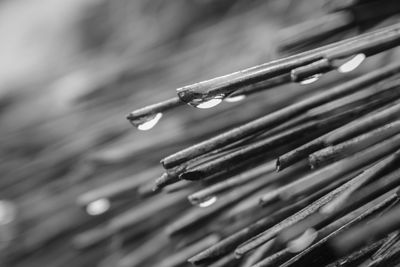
x=313, y=183
x=294, y=162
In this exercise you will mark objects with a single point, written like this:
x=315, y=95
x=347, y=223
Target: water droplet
x=209, y=103
x=303, y=241
x=98, y=207
x=311, y=79
x=148, y=122
x=208, y=202
x=352, y=64
x=233, y=99
x=7, y=212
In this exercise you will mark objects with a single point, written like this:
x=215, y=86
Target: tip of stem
x=278, y=166
x=156, y=189
x=196, y=259
x=194, y=200
x=160, y=182
x=129, y=117
x=191, y=175
x=261, y=202
x=163, y=163
x=239, y=253
x=268, y=199
x=171, y=231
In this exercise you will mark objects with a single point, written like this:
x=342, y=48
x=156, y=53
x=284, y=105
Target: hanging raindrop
x=98, y=207
x=207, y=104
x=147, y=122
x=233, y=99
x=208, y=202
x=352, y=64
x=311, y=79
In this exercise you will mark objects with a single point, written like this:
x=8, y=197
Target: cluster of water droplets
x=148, y=121
x=348, y=66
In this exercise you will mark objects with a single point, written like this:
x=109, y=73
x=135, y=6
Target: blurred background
x=71, y=71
